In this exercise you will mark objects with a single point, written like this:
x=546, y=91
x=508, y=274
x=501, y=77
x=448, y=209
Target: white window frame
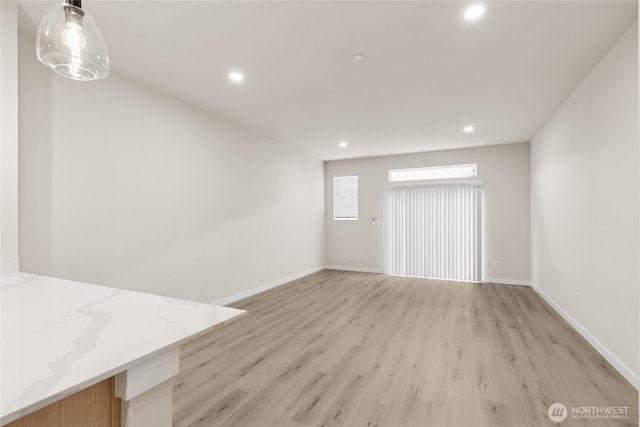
x=357, y=196
x=433, y=173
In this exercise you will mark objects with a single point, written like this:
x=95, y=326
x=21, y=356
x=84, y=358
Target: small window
x=345, y=197
x=438, y=172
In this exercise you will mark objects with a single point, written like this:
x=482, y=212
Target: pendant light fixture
x=70, y=43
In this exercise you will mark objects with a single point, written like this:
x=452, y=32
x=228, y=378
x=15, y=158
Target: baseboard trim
x=499, y=281
x=355, y=269
x=10, y=265
x=250, y=292
x=440, y=279
x=611, y=358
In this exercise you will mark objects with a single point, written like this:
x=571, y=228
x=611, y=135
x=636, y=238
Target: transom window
x=436, y=172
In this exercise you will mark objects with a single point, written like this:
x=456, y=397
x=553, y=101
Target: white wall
x=584, y=203
x=9, y=134
x=504, y=171
x=123, y=186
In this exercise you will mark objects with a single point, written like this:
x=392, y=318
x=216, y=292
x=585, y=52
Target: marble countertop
x=60, y=336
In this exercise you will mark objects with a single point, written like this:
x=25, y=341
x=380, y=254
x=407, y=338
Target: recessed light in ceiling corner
x=468, y=129
x=236, y=76
x=343, y=144
x=358, y=57
x=474, y=12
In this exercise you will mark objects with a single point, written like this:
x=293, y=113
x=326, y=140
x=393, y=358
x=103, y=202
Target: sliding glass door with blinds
x=434, y=231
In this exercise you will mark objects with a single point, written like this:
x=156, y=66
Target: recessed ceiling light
x=236, y=76
x=358, y=57
x=343, y=144
x=474, y=12
x=468, y=129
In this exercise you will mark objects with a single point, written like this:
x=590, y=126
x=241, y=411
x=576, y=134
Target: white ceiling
x=426, y=73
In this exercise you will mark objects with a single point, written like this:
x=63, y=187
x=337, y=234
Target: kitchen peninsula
x=62, y=338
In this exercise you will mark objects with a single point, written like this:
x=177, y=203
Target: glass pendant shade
x=70, y=43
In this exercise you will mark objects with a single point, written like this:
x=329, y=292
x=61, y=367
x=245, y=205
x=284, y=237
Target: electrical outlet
x=496, y=263
x=344, y=254
x=576, y=297
x=284, y=264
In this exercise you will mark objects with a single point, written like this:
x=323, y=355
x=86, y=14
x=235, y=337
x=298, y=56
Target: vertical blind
x=345, y=197
x=434, y=231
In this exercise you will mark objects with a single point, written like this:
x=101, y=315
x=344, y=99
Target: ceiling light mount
x=468, y=129
x=236, y=77
x=358, y=57
x=474, y=12
x=70, y=43
x=76, y=3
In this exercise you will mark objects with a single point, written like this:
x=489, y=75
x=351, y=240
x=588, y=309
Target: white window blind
x=345, y=197
x=434, y=232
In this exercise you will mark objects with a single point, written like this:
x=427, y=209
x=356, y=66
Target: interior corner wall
x=504, y=172
x=9, y=135
x=124, y=186
x=585, y=195
x=638, y=117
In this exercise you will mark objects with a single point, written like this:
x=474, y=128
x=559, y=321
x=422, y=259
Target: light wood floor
x=357, y=349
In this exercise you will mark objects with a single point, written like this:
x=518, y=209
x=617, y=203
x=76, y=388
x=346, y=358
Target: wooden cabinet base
x=95, y=406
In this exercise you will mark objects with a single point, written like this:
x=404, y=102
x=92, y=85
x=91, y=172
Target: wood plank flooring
x=357, y=349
